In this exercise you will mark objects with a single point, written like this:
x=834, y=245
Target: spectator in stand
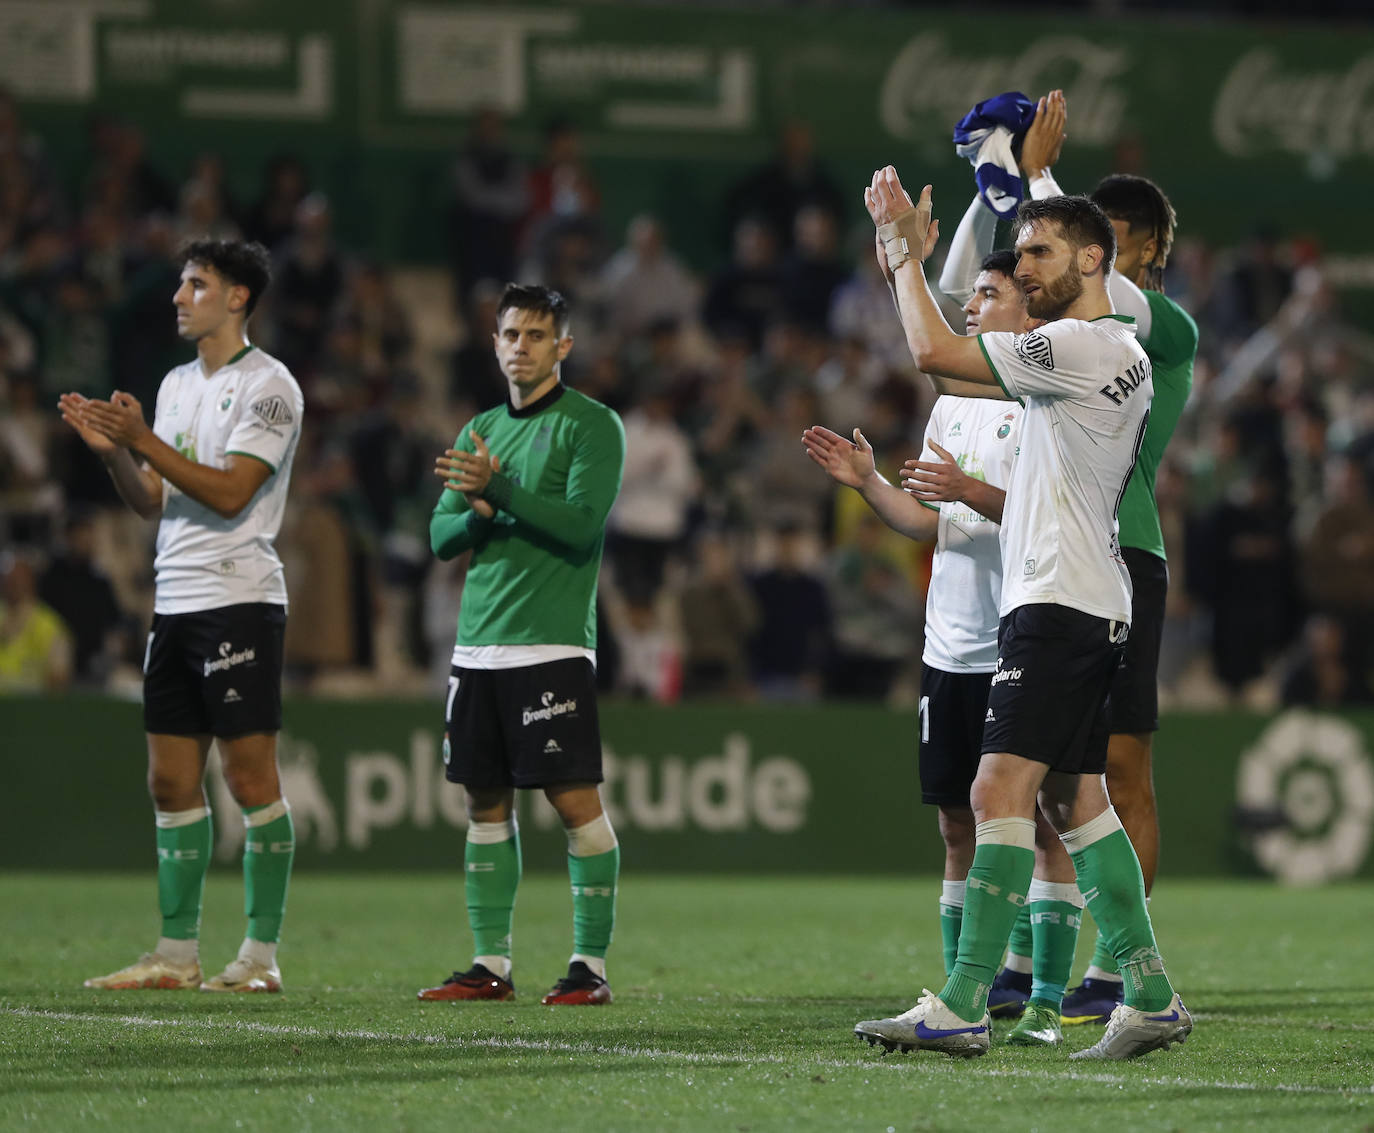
x=308, y=284
x=1244, y=562
x=35, y=645
x=1253, y=289
x=644, y=283
x=272, y=218
x=562, y=186
x=877, y=617
x=491, y=196
x=861, y=309
x=384, y=327
x=790, y=649
x=78, y=590
x=793, y=180
x=745, y=296
x=1319, y=673
x=124, y=177
x=29, y=192
x=1337, y=556
x=30, y=496
x=718, y=614
x=813, y=271
x=476, y=376
x=75, y=338
x=649, y=520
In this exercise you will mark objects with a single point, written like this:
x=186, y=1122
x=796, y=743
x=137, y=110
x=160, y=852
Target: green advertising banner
x=1241, y=122
x=697, y=788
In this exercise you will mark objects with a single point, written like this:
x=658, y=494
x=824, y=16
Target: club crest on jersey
x=273, y=410
x=1035, y=347
x=228, y=401
x=1004, y=428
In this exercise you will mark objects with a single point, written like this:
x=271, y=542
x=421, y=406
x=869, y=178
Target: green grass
x=735, y=999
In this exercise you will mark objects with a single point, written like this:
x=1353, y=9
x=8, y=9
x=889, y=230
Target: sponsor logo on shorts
x=549, y=707
x=989, y=717
x=232, y=696
x=552, y=746
x=1005, y=675
x=228, y=659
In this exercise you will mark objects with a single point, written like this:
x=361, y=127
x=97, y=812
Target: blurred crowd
x=734, y=567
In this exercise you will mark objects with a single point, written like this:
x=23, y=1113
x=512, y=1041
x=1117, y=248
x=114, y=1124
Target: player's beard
x=1058, y=295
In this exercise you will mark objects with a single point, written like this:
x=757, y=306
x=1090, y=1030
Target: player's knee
x=1129, y=774
x=957, y=828
x=171, y=792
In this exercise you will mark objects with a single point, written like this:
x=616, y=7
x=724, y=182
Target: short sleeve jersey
x=1172, y=348
x=1086, y=388
x=966, y=572
x=250, y=406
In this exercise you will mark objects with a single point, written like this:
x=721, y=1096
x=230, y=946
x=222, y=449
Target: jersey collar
x=1129, y=319
x=542, y=403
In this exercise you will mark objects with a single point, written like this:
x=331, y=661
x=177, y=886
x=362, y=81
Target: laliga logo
x=1315, y=770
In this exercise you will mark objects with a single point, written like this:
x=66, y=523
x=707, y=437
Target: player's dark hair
x=1143, y=206
x=537, y=299
x=243, y=264
x=1080, y=219
x=1002, y=261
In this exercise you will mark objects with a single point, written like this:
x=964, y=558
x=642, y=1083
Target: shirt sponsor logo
x=273, y=410
x=228, y=659
x=549, y=708
x=1035, y=347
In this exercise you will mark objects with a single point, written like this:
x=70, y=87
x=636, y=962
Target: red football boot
x=580, y=986
x=476, y=983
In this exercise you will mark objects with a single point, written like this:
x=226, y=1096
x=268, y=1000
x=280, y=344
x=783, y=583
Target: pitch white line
x=904, y=1065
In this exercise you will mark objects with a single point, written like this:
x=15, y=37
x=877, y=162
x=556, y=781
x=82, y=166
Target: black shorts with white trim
x=533, y=726
x=1048, y=697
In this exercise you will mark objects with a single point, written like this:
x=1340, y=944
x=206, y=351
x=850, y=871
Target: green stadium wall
x=1243, y=123
x=694, y=788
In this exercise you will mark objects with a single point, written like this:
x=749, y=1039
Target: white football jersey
x=1086, y=388
x=963, y=602
x=251, y=406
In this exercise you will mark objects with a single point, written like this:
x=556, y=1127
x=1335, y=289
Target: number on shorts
x=448, y=704
x=147, y=653
x=924, y=709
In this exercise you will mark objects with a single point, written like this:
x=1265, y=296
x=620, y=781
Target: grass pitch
x=735, y=999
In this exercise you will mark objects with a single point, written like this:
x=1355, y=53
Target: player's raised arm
x=225, y=491
x=851, y=463
x=138, y=486
x=954, y=363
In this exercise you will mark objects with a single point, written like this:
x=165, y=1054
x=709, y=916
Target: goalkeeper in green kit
x=527, y=488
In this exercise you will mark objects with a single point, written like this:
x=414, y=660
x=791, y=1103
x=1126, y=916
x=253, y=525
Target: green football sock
x=268, y=849
x=997, y=885
x=1102, y=954
x=594, y=881
x=1110, y=879
x=1056, y=912
x=951, y=921
x=492, y=871
x=183, y=859
x=1022, y=941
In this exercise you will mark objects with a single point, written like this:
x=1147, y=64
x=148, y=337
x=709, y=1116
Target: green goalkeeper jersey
x=532, y=579
x=1172, y=346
